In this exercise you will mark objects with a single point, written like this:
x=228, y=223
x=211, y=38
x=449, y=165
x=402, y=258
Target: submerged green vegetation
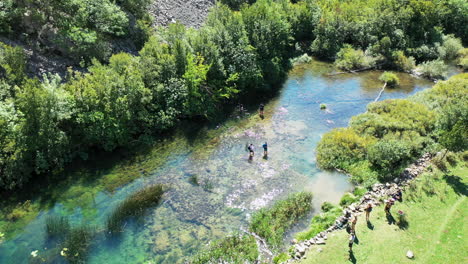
x=232, y=249
x=134, y=206
x=272, y=223
x=125, y=100
x=434, y=205
x=380, y=143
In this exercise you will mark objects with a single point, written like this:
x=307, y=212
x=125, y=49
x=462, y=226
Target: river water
x=215, y=187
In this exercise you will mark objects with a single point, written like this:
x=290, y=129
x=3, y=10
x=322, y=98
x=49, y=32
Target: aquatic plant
x=231, y=249
x=77, y=243
x=193, y=179
x=272, y=223
x=57, y=226
x=134, y=206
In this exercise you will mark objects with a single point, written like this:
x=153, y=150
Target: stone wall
x=374, y=196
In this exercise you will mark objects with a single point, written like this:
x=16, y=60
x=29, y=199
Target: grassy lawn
x=435, y=205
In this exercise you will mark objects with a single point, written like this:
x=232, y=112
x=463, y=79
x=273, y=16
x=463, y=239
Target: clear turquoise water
x=231, y=187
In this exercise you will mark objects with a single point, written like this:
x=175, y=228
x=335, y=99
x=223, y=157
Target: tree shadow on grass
x=457, y=185
x=370, y=225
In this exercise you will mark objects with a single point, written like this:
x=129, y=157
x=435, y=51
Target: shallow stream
x=214, y=187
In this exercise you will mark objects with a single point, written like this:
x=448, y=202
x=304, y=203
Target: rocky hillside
x=191, y=13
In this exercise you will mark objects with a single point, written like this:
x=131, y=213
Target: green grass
x=134, y=206
x=435, y=208
x=232, y=249
x=321, y=221
x=272, y=223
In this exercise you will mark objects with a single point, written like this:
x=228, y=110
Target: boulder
x=410, y=254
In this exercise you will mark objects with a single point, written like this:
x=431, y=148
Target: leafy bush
x=303, y=59
x=347, y=199
x=350, y=59
x=389, y=155
x=435, y=69
x=134, y=206
x=281, y=258
x=340, y=148
x=390, y=78
x=272, y=223
x=232, y=249
x=450, y=48
x=463, y=58
x=403, y=63
x=359, y=191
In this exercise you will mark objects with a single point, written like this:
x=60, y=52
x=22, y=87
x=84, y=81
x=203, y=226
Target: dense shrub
x=347, y=199
x=403, y=63
x=398, y=132
x=435, y=69
x=390, y=79
x=272, y=223
x=340, y=148
x=350, y=59
x=450, y=48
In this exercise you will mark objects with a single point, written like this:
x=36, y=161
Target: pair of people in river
x=251, y=149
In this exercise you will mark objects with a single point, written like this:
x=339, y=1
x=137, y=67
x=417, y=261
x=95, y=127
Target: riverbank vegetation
x=433, y=205
x=134, y=206
x=232, y=249
x=380, y=143
x=272, y=223
x=181, y=73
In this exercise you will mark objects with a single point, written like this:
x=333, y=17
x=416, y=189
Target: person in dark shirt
x=265, y=149
x=262, y=106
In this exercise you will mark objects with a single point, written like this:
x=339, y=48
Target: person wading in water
x=262, y=106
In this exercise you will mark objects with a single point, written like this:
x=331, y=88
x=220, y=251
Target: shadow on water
x=457, y=184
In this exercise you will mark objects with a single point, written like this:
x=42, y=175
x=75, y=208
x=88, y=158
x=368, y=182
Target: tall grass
x=57, y=226
x=134, y=206
x=232, y=249
x=321, y=221
x=77, y=244
x=272, y=223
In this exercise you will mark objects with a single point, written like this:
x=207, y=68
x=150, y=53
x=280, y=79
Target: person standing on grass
x=353, y=224
x=388, y=206
x=351, y=239
x=368, y=210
